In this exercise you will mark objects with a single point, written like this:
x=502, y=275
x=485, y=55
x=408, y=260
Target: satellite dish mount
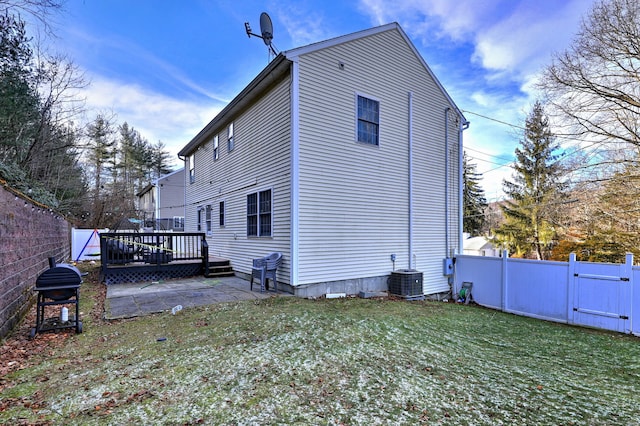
x=266, y=30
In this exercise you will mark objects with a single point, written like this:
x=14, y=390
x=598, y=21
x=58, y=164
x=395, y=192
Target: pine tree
x=474, y=199
x=535, y=188
x=161, y=159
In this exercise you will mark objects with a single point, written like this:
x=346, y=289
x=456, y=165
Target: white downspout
x=295, y=173
x=410, y=135
x=446, y=181
x=157, y=212
x=463, y=126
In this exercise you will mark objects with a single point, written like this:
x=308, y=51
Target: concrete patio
x=137, y=299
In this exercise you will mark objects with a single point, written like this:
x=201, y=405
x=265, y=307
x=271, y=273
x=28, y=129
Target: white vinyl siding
x=261, y=161
x=353, y=203
x=354, y=200
x=171, y=198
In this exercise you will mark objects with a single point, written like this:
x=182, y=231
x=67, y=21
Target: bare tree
x=39, y=9
x=593, y=86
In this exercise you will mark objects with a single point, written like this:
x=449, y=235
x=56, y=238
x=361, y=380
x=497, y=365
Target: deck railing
x=152, y=248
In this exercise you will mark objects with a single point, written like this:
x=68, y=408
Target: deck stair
x=219, y=267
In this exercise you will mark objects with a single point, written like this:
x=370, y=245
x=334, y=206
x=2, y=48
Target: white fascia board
x=296, y=52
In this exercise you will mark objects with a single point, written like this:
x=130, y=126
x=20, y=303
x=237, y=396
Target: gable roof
x=281, y=65
x=269, y=75
x=477, y=243
x=293, y=54
x=168, y=175
x=146, y=189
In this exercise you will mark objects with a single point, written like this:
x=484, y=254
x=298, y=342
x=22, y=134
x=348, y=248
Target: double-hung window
x=208, y=218
x=199, y=219
x=259, y=214
x=368, y=120
x=192, y=168
x=230, y=141
x=178, y=222
x=216, y=151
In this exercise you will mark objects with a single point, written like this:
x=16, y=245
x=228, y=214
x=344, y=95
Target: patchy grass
x=341, y=361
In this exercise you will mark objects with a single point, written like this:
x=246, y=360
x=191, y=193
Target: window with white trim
x=259, y=214
x=216, y=151
x=230, y=140
x=368, y=120
x=178, y=222
x=207, y=218
x=199, y=218
x=192, y=168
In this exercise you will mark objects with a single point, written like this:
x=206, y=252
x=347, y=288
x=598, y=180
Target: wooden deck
x=141, y=257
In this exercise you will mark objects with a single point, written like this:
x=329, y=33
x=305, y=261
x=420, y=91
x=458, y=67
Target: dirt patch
x=18, y=351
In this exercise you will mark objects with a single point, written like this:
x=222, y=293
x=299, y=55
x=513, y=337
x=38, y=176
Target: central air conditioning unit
x=406, y=283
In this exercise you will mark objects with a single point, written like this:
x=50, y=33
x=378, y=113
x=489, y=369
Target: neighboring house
x=161, y=203
x=342, y=155
x=480, y=246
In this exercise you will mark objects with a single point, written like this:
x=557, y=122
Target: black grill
x=49, y=283
x=58, y=285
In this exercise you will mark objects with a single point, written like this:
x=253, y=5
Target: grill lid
x=61, y=274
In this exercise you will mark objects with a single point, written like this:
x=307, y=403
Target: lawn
x=341, y=361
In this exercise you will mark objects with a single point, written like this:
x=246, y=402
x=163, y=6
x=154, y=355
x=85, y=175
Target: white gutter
x=410, y=135
x=295, y=172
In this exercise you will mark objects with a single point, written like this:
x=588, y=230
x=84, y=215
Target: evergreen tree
x=101, y=150
x=38, y=152
x=536, y=187
x=474, y=199
x=160, y=159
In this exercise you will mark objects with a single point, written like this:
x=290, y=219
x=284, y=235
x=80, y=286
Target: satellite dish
x=266, y=28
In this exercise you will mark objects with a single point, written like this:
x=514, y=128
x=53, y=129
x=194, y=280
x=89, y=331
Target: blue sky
x=167, y=67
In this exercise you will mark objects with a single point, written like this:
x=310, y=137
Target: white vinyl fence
x=85, y=244
x=601, y=295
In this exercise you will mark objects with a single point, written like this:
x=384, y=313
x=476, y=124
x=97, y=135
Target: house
x=479, y=246
x=161, y=203
x=344, y=155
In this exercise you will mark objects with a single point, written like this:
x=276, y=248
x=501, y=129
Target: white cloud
x=304, y=25
x=523, y=42
x=156, y=116
x=509, y=42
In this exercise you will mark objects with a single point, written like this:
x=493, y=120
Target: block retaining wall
x=29, y=235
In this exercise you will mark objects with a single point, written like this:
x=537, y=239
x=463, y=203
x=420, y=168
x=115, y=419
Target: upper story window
x=216, y=150
x=230, y=140
x=368, y=120
x=192, y=168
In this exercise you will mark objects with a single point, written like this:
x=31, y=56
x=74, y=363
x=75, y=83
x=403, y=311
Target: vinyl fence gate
x=601, y=295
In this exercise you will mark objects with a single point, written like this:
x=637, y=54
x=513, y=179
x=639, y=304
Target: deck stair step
x=219, y=268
